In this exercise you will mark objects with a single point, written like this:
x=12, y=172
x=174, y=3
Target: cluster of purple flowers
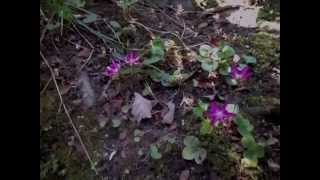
x=132, y=58
x=218, y=114
x=241, y=73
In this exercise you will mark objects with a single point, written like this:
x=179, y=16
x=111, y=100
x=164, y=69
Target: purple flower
x=132, y=58
x=241, y=73
x=112, y=70
x=219, y=114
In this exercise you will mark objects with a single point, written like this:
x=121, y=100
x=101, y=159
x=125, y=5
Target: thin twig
x=43, y=15
x=87, y=60
x=114, y=32
x=87, y=41
x=44, y=31
x=68, y=115
x=46, y=86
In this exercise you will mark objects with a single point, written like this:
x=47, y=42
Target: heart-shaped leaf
x=205, y=50
x=188, y=153
x=191, y=141
x=200, y=155
x=154, y=152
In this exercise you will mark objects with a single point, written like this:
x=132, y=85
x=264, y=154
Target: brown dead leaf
x=141, y=107
x=168, y=117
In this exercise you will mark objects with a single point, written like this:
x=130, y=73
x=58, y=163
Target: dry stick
x=46, y=86
x=45, y=29
x=87, y=41
x=68, y=115
x=88, y=59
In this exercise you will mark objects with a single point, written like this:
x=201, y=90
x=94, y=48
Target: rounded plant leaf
x=206, y=127
x=154, y=153
x=209, y=67
x=188, y=153
x=248, y=141
x=203, y=59
x=249, y=59
x=200, y=155
x=244, y=126
x=228, y=52
x=191, y=141
x=205, y=50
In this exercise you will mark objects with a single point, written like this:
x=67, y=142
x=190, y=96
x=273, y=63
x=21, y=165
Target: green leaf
x=209, y=67
x=188, y=153
x=227, y=52
x=198, y=112
x=90, y=18
x=244, y=126
x=249, y=59
x=206, y=127
x=203, y=59
x=191, y=141
x=205, y=50
x=248, y=141
x=224, y=69
x=203, y=105
x=200, y=155
x=154, y=153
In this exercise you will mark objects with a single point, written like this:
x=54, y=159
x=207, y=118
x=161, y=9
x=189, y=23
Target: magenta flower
x=132, y=58
x=112, y=70
x=241, y=73
x=219, y=114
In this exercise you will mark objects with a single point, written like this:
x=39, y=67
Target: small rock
x=184, y=175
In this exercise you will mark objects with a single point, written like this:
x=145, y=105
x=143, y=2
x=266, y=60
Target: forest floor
x=101, y=110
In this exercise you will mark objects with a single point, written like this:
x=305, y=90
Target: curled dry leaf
x=169, y=115
x=141, y=107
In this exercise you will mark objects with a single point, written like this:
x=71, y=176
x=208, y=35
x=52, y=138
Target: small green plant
x=193, y=150
x=154, y=152
x=156, y=52
x=253, y=150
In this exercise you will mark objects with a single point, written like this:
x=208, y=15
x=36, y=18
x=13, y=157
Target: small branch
x=87, y=41
x=88, y=59
x=45, y=87
x=68, y=114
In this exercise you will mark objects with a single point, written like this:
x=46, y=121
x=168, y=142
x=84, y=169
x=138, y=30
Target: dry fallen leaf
x=141, y=107
x=169, y=115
